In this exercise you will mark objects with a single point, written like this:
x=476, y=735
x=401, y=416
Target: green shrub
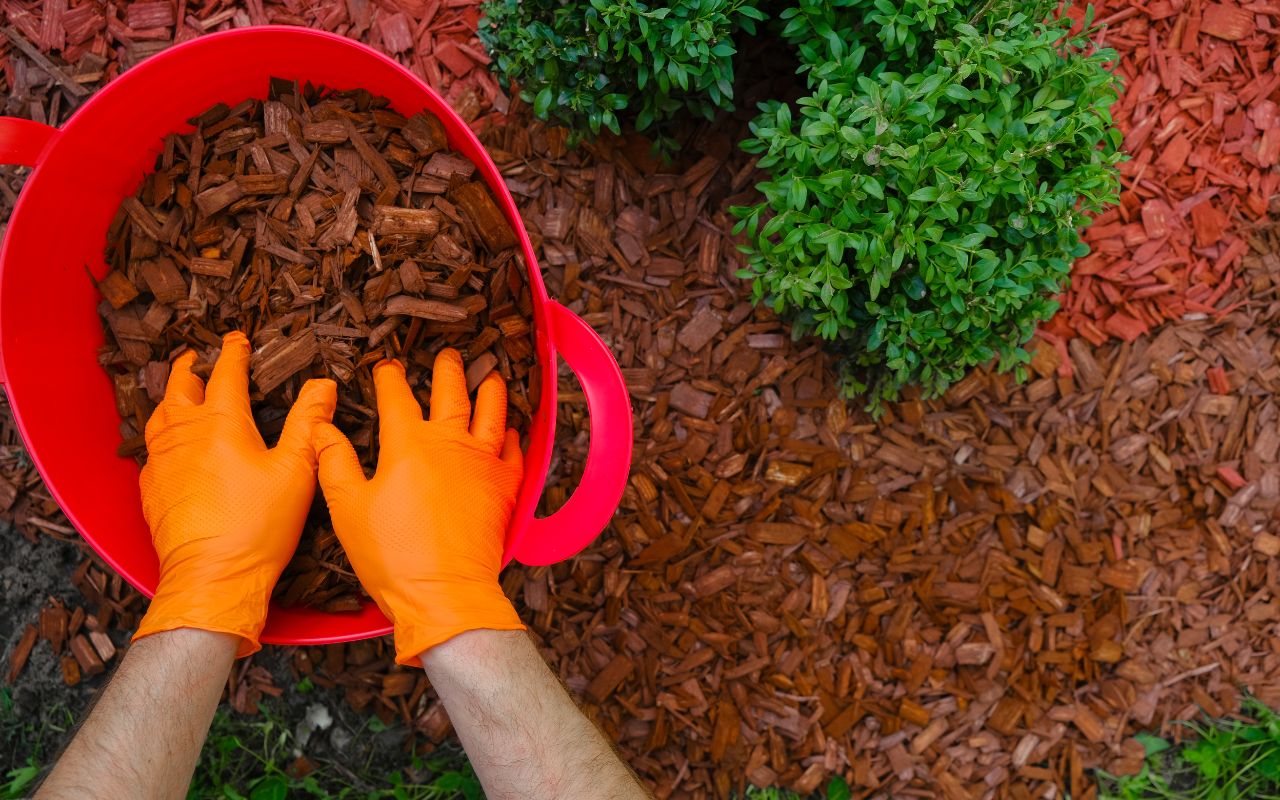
x=923, y=201
x=585, y=63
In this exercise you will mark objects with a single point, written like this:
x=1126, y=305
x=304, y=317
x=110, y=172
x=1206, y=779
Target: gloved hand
x=225, y=512
x=425, y=534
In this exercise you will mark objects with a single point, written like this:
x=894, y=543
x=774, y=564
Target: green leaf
x=542, y=103
x=1151, y=743
x=924, y=194
x=838, y=789
x=20, y=779
x=272, y=787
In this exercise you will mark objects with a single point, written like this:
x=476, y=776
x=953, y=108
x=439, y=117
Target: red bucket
x=50, y=333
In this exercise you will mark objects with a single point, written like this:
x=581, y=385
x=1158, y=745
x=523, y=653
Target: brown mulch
x=984, y=595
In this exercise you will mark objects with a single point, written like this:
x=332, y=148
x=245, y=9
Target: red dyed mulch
x=1200, y=122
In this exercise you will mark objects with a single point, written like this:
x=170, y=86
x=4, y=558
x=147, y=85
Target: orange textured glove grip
x=425, y=534
x=225, y=512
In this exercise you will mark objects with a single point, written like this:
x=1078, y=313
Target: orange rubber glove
x=225, y=512
x=425, y=534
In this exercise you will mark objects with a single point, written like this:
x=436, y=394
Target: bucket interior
x=49, y=327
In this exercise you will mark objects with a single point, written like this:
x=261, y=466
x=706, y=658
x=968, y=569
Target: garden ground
x=988, y=593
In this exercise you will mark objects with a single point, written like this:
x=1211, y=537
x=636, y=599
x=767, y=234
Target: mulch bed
x=1201, y=126
x=995, y=589
x=986, y=594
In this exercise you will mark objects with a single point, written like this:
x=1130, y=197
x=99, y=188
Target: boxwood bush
x=923, y=201
x=586, y=63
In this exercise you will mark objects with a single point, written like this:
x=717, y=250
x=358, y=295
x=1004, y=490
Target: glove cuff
x=420, y=626
x=237, y=608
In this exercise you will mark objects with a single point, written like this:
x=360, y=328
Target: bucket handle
x=23, y=141
x=604, y=477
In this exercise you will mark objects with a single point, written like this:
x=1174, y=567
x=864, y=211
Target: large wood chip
x=425, y=133
x=419, y=222
x=164, y=280
x=474, y=200
x=20, y=653
x=216, y=198
x=86, y=656
x=436, y=310
x=607, y=680
x=282, y=359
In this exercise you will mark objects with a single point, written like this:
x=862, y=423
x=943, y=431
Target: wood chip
x=419, y=222
x=117, y=289
x=85, y=655
x=691, y=401
x=474, y=201
x=436, y=310
x=21, y=651
x=608, y=679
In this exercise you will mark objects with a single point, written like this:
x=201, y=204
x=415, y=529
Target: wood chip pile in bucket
x=984, y=595
x=334, y=233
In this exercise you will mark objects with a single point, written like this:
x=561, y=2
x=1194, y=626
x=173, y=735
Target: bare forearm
x=143, y=737
x=521, y=730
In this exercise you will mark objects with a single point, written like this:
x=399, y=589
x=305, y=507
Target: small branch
x=42, y=61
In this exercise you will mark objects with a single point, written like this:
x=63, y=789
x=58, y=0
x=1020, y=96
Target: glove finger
x=155, y=424
x=339, y=465
x=184, y=388
x=511, y=454
x=315, y=405
x=229, y=383
x=449, y=403
x=398, y=408
x=489, y=423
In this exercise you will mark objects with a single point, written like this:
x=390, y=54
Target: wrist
x=193, y=642
x=470, y=647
